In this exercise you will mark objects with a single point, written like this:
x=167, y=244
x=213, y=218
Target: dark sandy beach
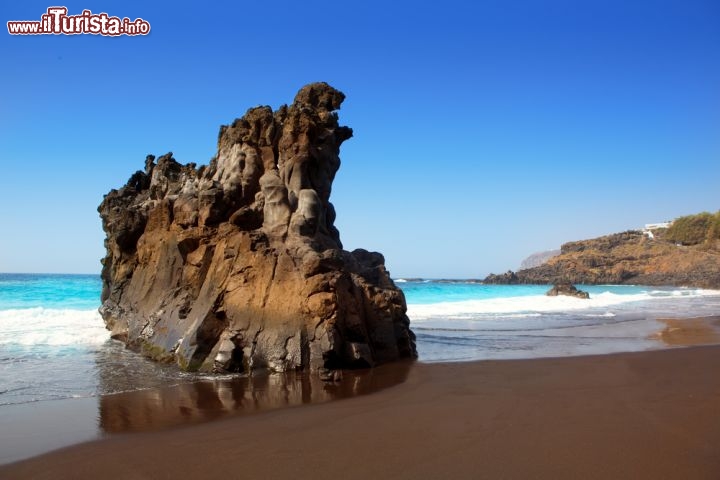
x=623, y=416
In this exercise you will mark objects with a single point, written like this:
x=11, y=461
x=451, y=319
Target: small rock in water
x=567, y=289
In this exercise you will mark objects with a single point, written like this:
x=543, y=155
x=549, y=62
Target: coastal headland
x=632, y=257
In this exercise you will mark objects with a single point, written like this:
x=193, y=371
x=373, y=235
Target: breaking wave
x=40, y=326
x=535, y=305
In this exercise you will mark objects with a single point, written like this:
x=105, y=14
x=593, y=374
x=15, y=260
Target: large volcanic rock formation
x=237, y=265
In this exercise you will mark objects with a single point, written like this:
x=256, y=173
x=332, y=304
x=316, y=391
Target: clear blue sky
x=484, y=130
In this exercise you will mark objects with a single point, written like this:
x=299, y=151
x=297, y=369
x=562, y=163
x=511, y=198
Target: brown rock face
x=624, y=258
x=238, y=265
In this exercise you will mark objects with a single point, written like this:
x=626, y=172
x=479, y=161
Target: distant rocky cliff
x=237, y=265
x=539, y=258
x=624, y=258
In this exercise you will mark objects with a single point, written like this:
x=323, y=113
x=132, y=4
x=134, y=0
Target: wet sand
x=690, y=331
x=30, y=429
x=35, y=428
x=623, y=416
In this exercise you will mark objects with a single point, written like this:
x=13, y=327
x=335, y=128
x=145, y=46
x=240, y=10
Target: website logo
x=56, y=21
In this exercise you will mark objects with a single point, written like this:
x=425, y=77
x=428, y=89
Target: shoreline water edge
x=462, y=321
x=623, y=416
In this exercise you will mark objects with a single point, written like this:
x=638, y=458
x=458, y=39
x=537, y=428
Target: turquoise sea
x=53, y=344
x=459, y=321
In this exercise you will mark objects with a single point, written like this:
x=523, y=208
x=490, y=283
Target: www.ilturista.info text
x=57, y=22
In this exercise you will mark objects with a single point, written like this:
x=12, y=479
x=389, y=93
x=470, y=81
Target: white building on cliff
x=649, y=227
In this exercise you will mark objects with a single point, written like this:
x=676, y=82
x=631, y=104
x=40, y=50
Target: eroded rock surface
x=237, y=265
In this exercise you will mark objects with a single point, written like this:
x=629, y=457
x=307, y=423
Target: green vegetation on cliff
x=695, y=229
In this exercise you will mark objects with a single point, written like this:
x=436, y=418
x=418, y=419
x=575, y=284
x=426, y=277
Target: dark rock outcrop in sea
x=507, y=278
x=567, y=289
x=237, y=265
x=624, y=258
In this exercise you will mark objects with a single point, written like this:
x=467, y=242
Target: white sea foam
x=533, y=304
x=51, y=327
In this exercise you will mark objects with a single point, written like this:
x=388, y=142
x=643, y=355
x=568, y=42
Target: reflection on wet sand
x=690, y=331
x=213, y=399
